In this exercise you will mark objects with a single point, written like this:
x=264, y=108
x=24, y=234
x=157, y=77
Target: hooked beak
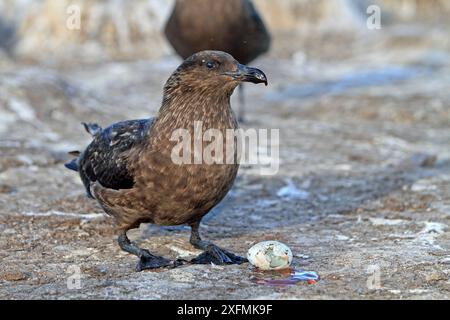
x=248, y=74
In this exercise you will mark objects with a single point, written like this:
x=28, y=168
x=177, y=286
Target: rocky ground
x=362, y=195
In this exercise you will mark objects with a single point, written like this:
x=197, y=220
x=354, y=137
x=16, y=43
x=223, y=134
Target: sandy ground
x=362, y=195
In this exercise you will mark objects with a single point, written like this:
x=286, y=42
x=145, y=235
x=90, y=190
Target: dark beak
x=248, y=74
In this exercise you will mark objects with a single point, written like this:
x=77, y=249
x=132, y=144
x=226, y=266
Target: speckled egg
x=270, y=255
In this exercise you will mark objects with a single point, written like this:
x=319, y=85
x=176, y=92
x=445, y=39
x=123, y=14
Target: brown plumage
x=128, y=166
x=233, y=26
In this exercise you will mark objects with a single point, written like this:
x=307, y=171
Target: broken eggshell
x=270, y=255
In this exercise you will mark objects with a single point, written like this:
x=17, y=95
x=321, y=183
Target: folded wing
x=106, y=158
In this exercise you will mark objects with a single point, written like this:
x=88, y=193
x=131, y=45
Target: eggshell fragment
x=270, y=255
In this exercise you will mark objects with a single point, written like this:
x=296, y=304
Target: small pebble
x=14, y=276
x=436, y=276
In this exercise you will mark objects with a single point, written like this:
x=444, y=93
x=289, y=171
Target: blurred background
x=364, y=119
x=36, y=32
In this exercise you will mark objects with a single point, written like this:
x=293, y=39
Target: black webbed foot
x=216, y=255
x=146, y=259
x=212, y=254
x=150, y=261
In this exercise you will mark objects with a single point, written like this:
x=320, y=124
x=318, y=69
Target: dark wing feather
x=104, y=160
